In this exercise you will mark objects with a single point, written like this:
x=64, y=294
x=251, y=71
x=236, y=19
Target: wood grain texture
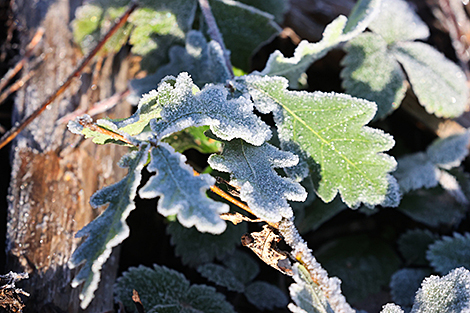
x=54, y=173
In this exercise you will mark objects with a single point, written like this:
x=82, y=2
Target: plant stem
x=214, y=32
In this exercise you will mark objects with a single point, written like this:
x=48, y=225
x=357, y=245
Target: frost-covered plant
x=321, y=151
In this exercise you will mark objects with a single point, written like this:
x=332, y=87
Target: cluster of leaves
x=322, y=155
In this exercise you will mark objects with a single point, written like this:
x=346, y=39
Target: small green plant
x=319, y=151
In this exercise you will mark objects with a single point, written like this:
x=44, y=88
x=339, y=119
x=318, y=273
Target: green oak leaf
x=108, y=229
x=329, y=128
x=306, y=294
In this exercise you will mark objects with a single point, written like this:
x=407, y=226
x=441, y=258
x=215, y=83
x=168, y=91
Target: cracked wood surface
x=54, y=172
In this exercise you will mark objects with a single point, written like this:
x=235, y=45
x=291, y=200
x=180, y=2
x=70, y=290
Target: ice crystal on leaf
x=165, y=290
x=181, y=193
x=448, y=294
x=340, y=30
x=391, y=308
x=330, y=129
x=109, y=229
x=228, y=119
x=261, y=187
x=307, y=295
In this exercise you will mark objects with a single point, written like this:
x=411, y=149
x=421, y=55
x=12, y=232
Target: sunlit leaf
x=330, y=129
x=306, y=294
x=397, y=21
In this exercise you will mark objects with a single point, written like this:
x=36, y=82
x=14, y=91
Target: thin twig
x=99, y=129
x=214, y=32
x=29, y=50
x=14, y=131
x=15, y=86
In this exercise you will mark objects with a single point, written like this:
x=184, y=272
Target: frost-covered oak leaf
x=162, y=289
x=340, y=30
x=181, y=193
x=252, y=169
x=330, y=129
x=109, y=229
x=227, y=118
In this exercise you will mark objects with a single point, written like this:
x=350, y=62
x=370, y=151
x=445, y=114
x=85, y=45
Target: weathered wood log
x=54, y=173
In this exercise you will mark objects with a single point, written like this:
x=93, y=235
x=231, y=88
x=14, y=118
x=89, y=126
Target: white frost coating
x=228, y=119
x=415, y=171
x=391, y=308
x=330, y=286
x=450, y=293
x=107, y=230
x=75, y=127
x=181, y=192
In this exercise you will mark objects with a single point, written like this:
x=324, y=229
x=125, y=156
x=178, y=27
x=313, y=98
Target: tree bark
x=54, y=173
